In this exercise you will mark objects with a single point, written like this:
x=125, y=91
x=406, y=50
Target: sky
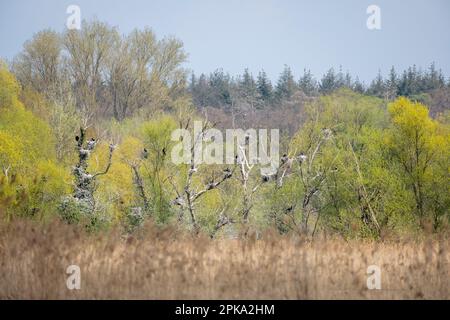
x=261, y=34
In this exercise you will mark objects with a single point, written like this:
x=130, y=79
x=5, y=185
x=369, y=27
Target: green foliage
x=419, y=148
x=156, y=135
x=9, y=89
x=31, y=177
x=374, y=172
x=73, y=211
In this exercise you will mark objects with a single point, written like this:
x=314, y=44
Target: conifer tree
x=286, y=85
x=264, y=87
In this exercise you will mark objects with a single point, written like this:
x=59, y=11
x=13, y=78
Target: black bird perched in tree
x=77, y=138
x=227, y=172
x=91, y=144
x=192, y=170
x=301, y=157
x=179, y=201
x=144, y=154
x=210, y=185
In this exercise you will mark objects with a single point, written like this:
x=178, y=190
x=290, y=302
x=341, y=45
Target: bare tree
x=87, y=51
x=312, y=171
x=364, y=198
x=128, y=80
x=138, y=181
x=188, y=198
x=85, y=181
x=39, y=65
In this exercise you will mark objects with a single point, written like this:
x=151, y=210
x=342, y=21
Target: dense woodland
x=85, y=136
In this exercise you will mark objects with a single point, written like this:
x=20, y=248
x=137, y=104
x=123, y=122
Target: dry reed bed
x=166, y=265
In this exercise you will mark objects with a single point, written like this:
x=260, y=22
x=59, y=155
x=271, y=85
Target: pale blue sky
x=234, y=34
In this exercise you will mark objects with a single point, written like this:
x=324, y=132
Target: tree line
x=219, y=89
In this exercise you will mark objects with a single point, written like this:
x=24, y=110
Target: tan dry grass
x=167, y=265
